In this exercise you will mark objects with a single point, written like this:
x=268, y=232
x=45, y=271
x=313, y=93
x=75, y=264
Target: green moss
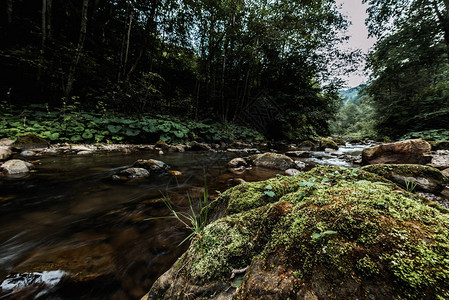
x=307, y=144
x=328, y=143
x=343, y=224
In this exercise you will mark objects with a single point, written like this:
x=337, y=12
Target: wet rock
x=419, y=177
x=175, y=173
x=292, y=172
x=152, y=165
x=245, y=150
x=177, y=148
x=352, y=239
x=273, y=161
x=162, y=145
x=300, y=154
x=403, y=152
x=6, y=142
x=445, y=172
x=27, y=153
x=237, y=162
x=440, y=159
x=16, y=166
x=307, y=145
x=300, y=164
x=84, y=152
x=440, y=145
x=238, y=171
x=327, y=143
x=5, y=153
x=161, y=152
x=195, y=146
x=135, y=172
x=30, y=141
x=339, y=141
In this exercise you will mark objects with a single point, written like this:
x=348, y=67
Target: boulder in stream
x=135, y=172
x=273, y=161
x=419, y=177
x=327, y=233
x=152, y=165
x=440, y=159
x=237, y=162
x=5, y=153
x=404, y=152
x=16, y=166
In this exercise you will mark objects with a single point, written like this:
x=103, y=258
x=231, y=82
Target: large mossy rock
x=423, y=178
x=403, y=152
x=330, y=233
x=30, y=141
x=272, y=161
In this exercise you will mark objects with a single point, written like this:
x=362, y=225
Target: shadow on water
x=69, y=231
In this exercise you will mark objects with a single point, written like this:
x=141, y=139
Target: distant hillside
x=352, y=95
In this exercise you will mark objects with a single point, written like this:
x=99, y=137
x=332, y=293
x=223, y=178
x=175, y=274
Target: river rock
x=445, y=172
x=6, y=142
x=403, y=152
x=244, y=150
x=5, y=153
x=440, y=159
x=306, y=146
x=135, y=172
x=177, y=148
x=273, y=161
x=237, y=162
x=30, y=141
x=151, y=165
x=292, y=172
x=426, y=179
x=353, y=239
x=300, y=154
x=440, y=145
x=16, y=166
x=27, y=153
x=328, y=143
x=195, y=146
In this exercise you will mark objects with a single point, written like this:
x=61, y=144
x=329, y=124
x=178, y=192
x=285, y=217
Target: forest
x=210, y=61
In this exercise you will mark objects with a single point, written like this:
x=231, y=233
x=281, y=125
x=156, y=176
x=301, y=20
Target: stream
x=68, y=231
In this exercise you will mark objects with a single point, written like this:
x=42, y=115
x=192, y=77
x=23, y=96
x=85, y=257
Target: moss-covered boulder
x=30, y=141
x=403, y=152
x=272, y=161
x=439, y=145
x=306, y=145
x=339, y=141
x=411, y=177
x=328, y=143
x=330, y=233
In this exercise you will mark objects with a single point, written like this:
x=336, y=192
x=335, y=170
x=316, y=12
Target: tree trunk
x=128, y=38
x=44, y=25
x=79, y=49
x=9, y=11
x=150, y=27
x=48, y=19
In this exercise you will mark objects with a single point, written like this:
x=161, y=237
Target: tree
x=410, y=61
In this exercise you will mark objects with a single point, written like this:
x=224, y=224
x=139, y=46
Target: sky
x=356, y=12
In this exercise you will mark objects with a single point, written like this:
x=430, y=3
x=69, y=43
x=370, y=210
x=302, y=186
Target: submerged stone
x=16, y=166
x=328, y=233
x=151, y=165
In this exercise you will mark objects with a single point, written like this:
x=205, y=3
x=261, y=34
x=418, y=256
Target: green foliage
x=410, y=86
x=269, y=191
x=433, y=134
x=356, y=118
x=73, y=125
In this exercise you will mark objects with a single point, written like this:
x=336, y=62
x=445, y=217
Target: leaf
x=238, y=281
x=114, y=128
x=87, y=135
x=328, y=232
x=269, y=194
x=76, y=138
x=132, y=132
x=268, y=187
x=316, y=235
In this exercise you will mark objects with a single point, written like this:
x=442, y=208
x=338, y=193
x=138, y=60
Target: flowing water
x=68, y=231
